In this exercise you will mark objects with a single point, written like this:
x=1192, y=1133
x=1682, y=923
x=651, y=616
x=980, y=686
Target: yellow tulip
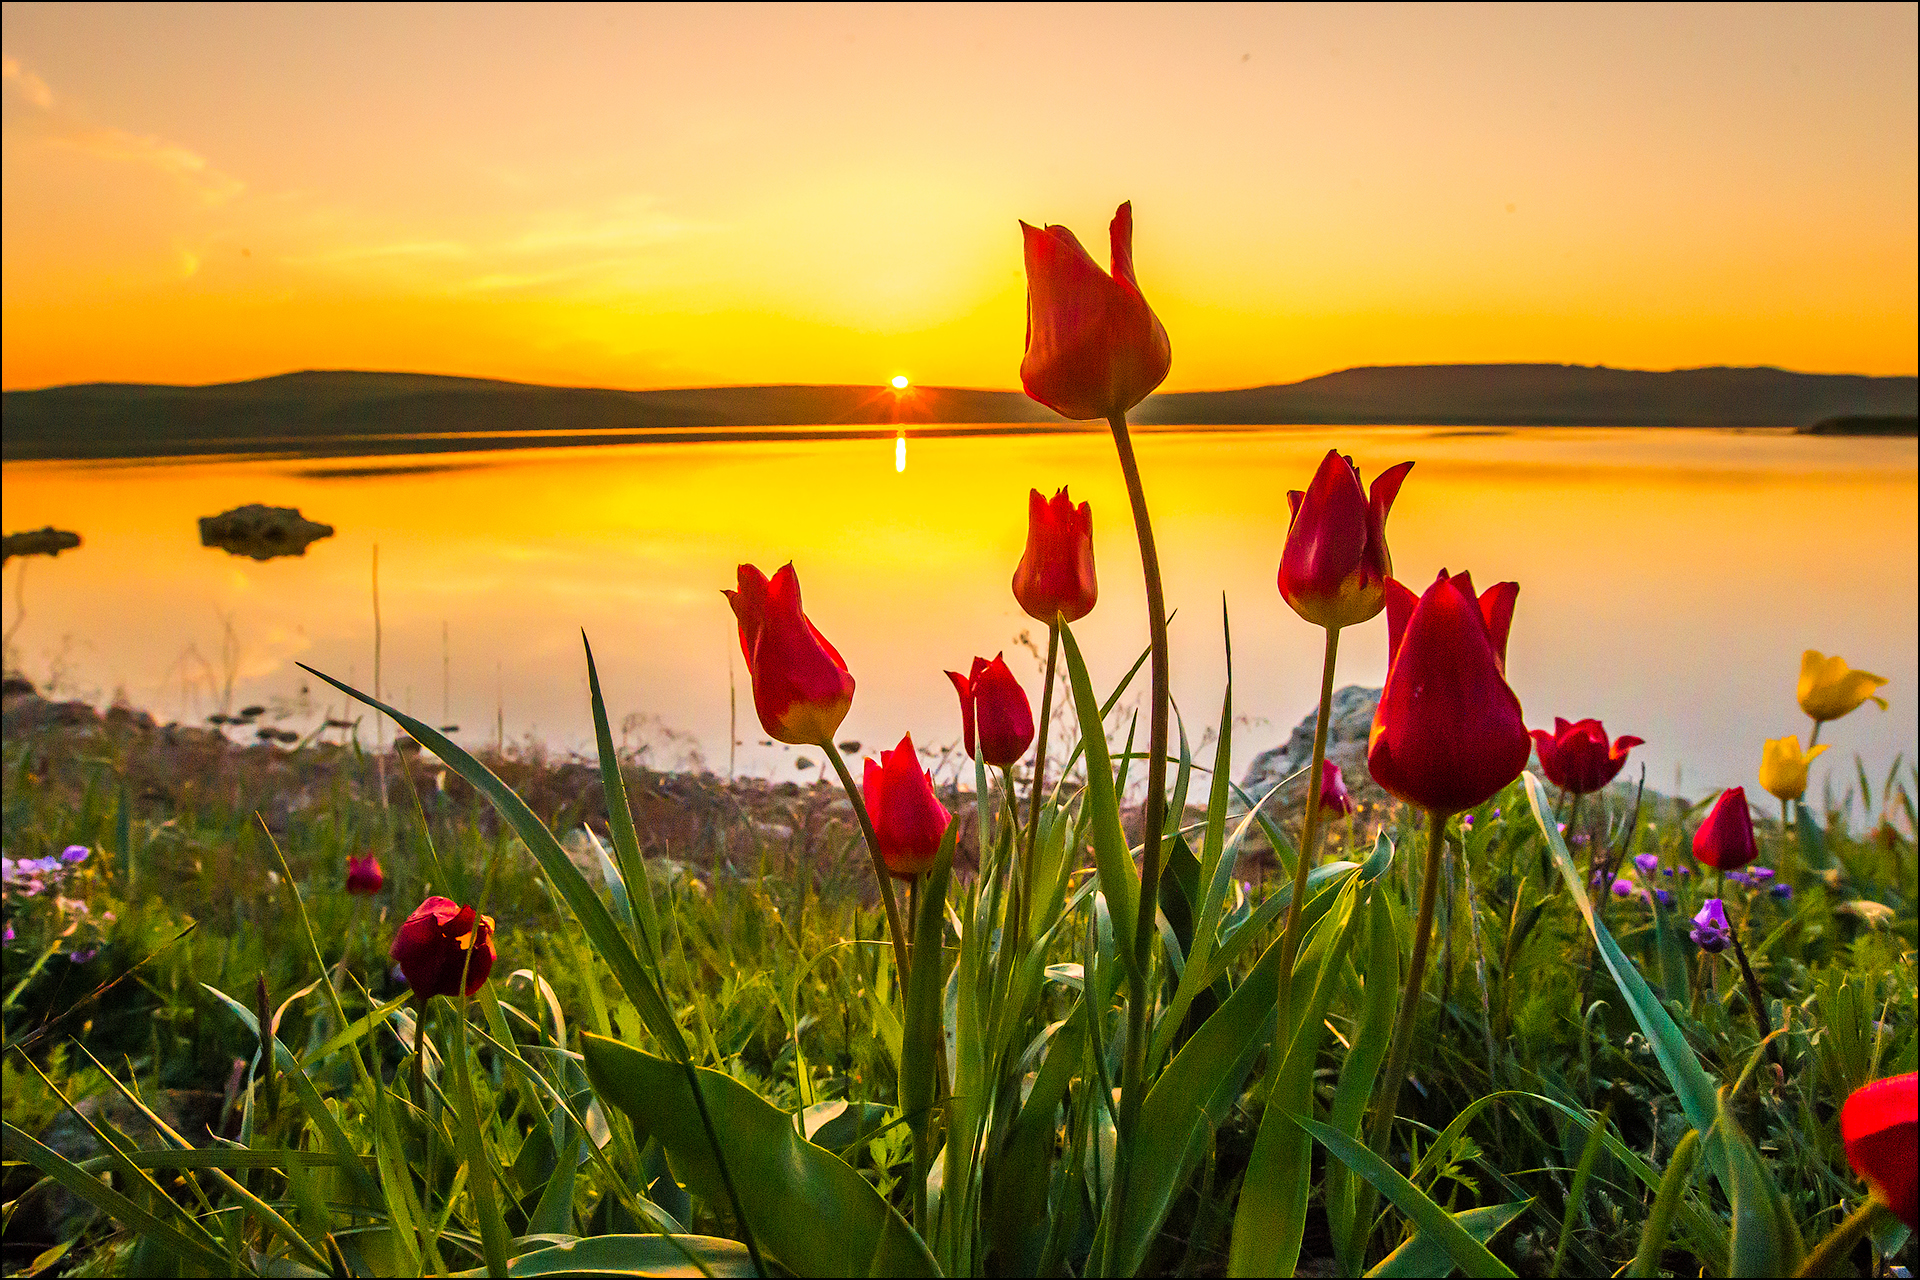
x=1829, y=688
x=1783, y=770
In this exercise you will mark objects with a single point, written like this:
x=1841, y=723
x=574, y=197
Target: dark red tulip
x=1056, y=571
x=993, y=702
x=363, y=874
x=1449, y=733
x=1334, y=799
x=908, y=818
x=1576, y=757
x=1879, y=1124
x=433, y=946
x=801, y=687
x=1725, y=840
x=1094, y=347
x=1335, y=567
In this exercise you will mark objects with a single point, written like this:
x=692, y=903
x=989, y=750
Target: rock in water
x=261, y=532
x=38, y=542
x=1347, y=730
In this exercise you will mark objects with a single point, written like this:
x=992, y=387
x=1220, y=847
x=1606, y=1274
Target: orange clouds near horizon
x=693, y=196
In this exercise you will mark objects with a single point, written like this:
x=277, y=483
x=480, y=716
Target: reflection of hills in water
x=38, y=542
x=262, y=532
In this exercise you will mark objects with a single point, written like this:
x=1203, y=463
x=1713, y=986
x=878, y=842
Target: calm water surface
x=1669, y=579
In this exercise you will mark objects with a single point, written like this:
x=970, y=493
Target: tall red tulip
x=993, y=702
x=433, y=945
x=1094, y=347
x=1056, y=570
x=908, y=819
x=1879, y=1124
x=1448, y=734
x=1335, y=567
x=1725, y=840
x=364, y=875
x=801, y=687
x=1576, y=757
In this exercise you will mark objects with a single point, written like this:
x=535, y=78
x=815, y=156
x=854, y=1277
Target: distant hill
x=354, y=412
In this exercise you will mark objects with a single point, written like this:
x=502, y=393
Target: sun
x=899, y=382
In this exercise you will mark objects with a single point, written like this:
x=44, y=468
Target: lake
x=1669, y=580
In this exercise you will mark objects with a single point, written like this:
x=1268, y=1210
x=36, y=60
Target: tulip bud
x=1879, y=1124
x=1710, y=931
x=1334, y=799
x=1575, y=757
x=1783, y=770
x=992, y=701
x=1056, y=571
x=1094, y=347
x=434, y=944
x=1829, y=688
x=908, y=819
x=364, y=875
x=1725, y=840
x=801, y=687
x=1448, y=734
x=1335, y=567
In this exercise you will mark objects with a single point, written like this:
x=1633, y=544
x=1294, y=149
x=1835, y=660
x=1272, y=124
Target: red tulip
x=1448, y=734
x=1576, y=758
x=433, y=946
x=994, y=701
x=1056, y=571
x=1094, y=347
x=363, y=874
x=801, y=687
x=908, y=818
x=1334, y=799
x=1878, y=1124
x=1725, y=840
x=1335, y=567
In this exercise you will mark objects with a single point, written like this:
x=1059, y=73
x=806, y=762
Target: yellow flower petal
x=1829, y=689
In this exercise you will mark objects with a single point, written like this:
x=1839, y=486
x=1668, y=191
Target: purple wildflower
x=1664, y=898
x=1647, y=862
x=1782, y=891
x=1683, y=871
x=81, y=957
x=1739, y=877
x=74, y=853
x=1710, y=928
x=1759, y=875
x=1622, y=887
x=8, y=935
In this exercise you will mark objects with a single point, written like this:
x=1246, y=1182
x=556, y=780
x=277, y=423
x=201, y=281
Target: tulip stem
x=420, y=1052
x=1396, y=1073
x=1039, y=760
x=1303, y=861
x=901, y=955
x=1840, y=1241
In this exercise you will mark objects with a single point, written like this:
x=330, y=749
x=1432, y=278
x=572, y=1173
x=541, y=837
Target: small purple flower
x=1759, y=875
x=43, y=866
x=74, y=853
x=1782, y=891
x=1466, y=820
x=8, y=935
x=1710, y=928
x=1563, y=827
x=1667, y=872
x=1647, y=862
x=1622, y=887
x=1496, y=813
x=1683, y=871
x=1664, y=898
x=1739, y=877
x=82, y=956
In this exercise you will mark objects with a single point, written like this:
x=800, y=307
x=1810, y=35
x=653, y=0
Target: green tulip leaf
x=1420, y=1256
x=1119, y=880
x=616, y=1255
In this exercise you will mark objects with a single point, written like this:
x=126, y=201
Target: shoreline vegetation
x=349, y=413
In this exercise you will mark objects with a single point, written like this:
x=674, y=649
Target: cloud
x=24, y=82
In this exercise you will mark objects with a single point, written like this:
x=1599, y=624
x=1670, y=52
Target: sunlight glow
x=899, y=453
x=899, y=382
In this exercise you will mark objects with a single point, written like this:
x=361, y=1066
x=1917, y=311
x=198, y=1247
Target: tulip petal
x=1401, y=602
x=1120, y=238
x=1385, y=488
x=1496, y=606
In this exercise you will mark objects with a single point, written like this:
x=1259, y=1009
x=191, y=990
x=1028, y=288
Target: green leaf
x=1766, y=1240
x=1119, y=880
x=1813, y=841
x=808, y=1209
x=1673, y=1185
x=626, y=841
x=1420, y=1256
x=1359, y=1068
x=1433, y=1222
x=631, y=1256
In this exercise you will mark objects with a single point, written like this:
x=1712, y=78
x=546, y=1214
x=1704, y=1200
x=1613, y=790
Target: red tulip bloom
x=434, y=944
x=1056, y=571
x=1449, y=733
x=1094, y=347
x=1725, y=840
x=1334, y=799
x=801, y=687
x=1576, y=757
x=992, y=700
x=1878, y=1124
x=1335, y=567
x=908, y=818
x=363, y=874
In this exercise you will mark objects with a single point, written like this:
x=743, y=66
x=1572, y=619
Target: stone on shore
x=1347, y=729
x=262, y=532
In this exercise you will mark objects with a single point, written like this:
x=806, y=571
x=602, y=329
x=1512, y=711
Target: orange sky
x=667, y=197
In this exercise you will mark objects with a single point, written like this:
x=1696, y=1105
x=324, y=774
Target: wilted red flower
x=433, y=946
x=364, y=875
x=1094, y=347
x=1333, y=791
x=1878, y=1124
x=801, y=687
x=1725, y=840
x=1335, y=567
x=1448, y=734
x=992, y=701
x=1056, y=570
x=1576, y=757
x=908, y=818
